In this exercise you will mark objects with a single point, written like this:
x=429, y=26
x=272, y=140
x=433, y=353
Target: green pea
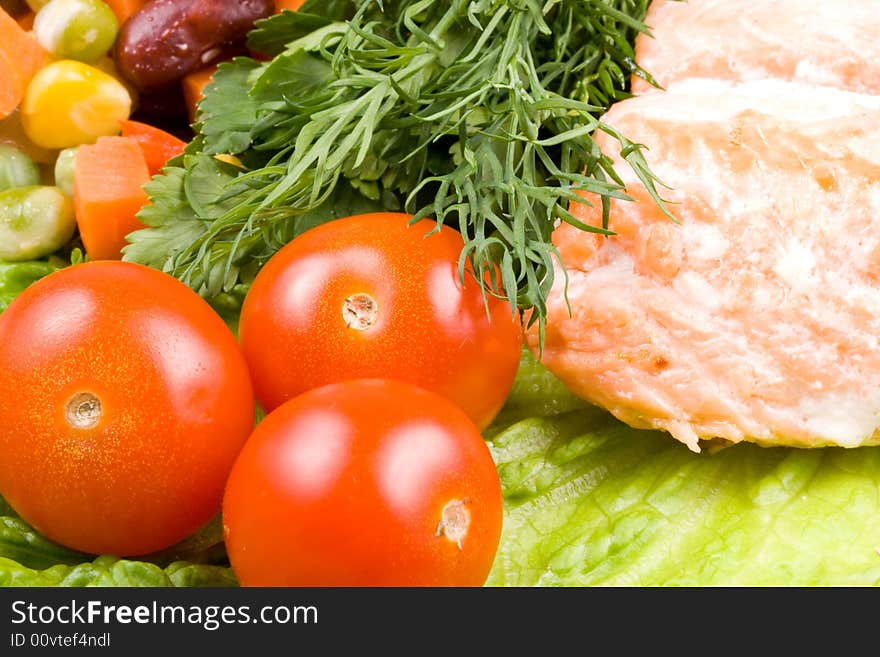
x=16, y=168
x=34, y=222
x=64, y=166
x=76, y=29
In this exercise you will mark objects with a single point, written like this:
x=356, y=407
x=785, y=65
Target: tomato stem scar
x=360, y=311
x=454, y=521
x=83, y=410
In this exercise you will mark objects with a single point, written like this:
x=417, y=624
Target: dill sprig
x=478, y=113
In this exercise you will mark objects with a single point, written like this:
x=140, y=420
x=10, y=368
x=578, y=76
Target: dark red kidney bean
x=14, y=8
x=166, y=39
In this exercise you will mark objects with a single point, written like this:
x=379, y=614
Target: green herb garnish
x=478, y=113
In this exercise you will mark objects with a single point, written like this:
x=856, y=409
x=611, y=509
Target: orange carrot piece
x=20, y=58
x=11, y=91
x=157, y=145
x=194, y=87
x=108, y=181
x=124, y=8
x=292, y=5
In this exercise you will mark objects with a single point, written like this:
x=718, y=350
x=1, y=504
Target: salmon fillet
x=757, y=317
x=817, y=41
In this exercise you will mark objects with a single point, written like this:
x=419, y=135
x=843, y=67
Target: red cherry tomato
x=371, y=297
x=125, y=402
x=364, y=483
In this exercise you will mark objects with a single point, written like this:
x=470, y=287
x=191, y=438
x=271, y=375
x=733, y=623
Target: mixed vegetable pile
x=73, y=161
x=407, y=438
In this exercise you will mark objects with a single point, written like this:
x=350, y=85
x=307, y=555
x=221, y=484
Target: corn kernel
x=68, y=103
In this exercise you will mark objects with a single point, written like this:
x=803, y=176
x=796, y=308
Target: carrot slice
x=108, y=192
x=157, y=145
x=194, y=87
x=20, y=58
x=124, y=8
x=292, y=5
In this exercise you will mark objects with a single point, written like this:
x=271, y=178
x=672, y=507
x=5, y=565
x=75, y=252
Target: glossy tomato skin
x=346, y=485
x=427, y=328
x=145, y=465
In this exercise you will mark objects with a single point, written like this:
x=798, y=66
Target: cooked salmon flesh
x=757, y=317
x=826, y=42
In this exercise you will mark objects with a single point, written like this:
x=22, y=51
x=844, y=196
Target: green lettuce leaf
x=535, y=393
x=29, y=559
x=110, y=571
x=16, y=276
x=590, y=501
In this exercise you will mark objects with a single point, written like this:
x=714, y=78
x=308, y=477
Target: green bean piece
x=64, y=167
x=76, y=29
x=16, y=168
x=34, y=222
